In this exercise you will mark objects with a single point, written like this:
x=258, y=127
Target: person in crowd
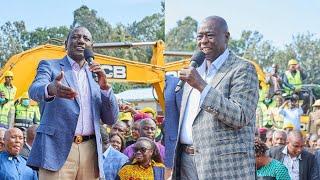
x=315, y=117
x=145, y=164
x=72, y=106
x=119, y=127
x=313, y=143
x=127, y=118
x=279, y=138
x=153, y=113
x=274, y=81
x=2, y=132
x=117, y=141
x=268, y=168
x=263, y=134
x=113, y=159
x=293, y=113
x=266, y=107
x=269, y=136
x=31, y=134
x=276, y=118
x=172, y=115
x=293, y=77
x=134, y=133
x=12, y=165
x=26, y=115
x=7, y=87
x=218, y=105
x=292, y=82
x=7, y=111
x=147, y=129
x=300, y=163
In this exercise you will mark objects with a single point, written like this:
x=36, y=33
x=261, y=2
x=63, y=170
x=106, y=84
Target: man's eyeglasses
x=141, y=149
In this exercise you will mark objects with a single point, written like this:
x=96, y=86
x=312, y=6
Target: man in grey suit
x=216, y=126
x=31, y=134
x=68, y=141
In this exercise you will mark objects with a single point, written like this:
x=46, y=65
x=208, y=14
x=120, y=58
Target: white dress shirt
x=196, y=98
x=292, y=164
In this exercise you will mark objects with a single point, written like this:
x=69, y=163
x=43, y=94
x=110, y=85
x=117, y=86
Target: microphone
x=195, y=61
x=89, y=57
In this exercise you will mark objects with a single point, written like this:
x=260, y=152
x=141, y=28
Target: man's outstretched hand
x=56, y=88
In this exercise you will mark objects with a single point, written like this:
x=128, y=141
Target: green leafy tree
x=53, y=35
x=11, y=39
x=100, y=29
x=182, y=37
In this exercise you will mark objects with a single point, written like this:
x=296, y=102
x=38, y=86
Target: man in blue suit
x=172, y=114
x=68, y=140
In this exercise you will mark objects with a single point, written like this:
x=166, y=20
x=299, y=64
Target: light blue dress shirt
x=113, y=160
x=15, y=168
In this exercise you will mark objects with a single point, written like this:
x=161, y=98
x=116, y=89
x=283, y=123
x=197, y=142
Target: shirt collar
x=285, y=152
x=29, y=147
x=216, y=64
x=11, y=157
x=105, y=154
x=74, y=65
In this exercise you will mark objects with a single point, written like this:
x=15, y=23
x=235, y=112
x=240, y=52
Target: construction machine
x=24, y=65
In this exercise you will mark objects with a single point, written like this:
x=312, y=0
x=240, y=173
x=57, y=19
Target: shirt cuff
x=204, y=93
x=106, y=92
x=46, y=94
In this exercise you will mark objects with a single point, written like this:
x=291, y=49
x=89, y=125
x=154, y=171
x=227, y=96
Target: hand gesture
x=193, y=78
x=56, y=88
x=102, y=77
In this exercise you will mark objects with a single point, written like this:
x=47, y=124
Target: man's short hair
x=279, y=132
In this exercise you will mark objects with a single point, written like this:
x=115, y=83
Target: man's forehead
x=120, y=125
x=14, y=131
x=148, y=123
x=297, y=141
x=205, y=28
x=81, y=31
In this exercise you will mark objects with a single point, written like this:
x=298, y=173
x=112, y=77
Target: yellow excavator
x=24, y=65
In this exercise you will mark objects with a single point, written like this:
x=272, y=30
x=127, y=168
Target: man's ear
x=227, y=36
x=65, y=44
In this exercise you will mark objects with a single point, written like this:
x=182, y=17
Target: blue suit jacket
x=59, y=116
x=172, y=114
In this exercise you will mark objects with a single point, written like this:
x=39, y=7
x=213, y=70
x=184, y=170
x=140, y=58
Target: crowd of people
x=21, y=112
x=218, y=126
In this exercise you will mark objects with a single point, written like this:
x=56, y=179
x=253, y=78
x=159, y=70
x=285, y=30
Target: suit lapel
x=69, y=75
x=223, y=70
x=221, y=73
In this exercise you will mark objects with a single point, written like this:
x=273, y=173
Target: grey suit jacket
x=223, y=130
x=24, y=151
x=308, y=167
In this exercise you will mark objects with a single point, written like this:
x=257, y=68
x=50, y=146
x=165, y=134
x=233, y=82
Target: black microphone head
x=88, y=53
x=198, y=57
